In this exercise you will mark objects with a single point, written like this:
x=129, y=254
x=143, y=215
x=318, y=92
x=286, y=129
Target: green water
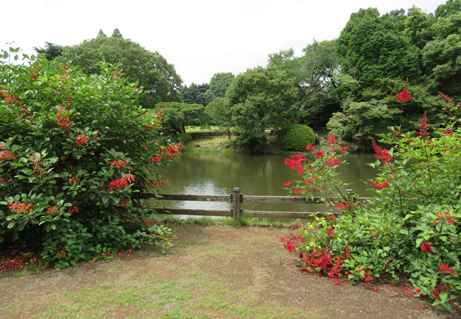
x=219, y=174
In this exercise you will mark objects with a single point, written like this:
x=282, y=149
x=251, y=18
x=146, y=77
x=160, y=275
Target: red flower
x=331, y=139
x=319, y=154
x=444, y=269
x=380, y=153
x=403, y=96
x=298, y=191
x=427, y=248
x=331, y=232
x=309, y=147
x=286, y=185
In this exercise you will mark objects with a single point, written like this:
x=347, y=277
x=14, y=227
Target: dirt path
x=213, y=272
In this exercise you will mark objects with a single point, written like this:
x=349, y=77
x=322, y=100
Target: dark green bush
x=183, y=137
x=295, y=138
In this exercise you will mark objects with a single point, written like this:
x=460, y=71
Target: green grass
x=198, y=129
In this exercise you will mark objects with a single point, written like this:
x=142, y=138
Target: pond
x=219, y=174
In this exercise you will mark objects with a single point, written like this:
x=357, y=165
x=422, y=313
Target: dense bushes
x=412, y=227
x=74, y=149
x=295, y=138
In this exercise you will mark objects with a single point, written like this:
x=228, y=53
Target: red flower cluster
x=447, y=215
x=155, y=160
x=171, y=151
x=440, y=288
x=331, y=232
x=444, y=269
x=5, y=154
x=81, y=139
x=331, y=140
x=382, y=154
x=17, y=261
x=309, y=147
x=404, y=96
x=379, y=186
x=52, y=210
x=119, y=163
x=72, y=209
x=287, y=184
x=23, y=208
x=444, y=97
x=74, y=181
x=296, y=163
x=427, y=248
x=123, y=203
x=120, y=183
x=2, y=180
x=319, y=154
x=63, y=119
x=161, y=183
x=345, y=206
x=423, y=125
x=297, y=191
x=331, y=218
x=333, y=161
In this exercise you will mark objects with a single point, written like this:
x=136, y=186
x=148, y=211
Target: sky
x=199, y=37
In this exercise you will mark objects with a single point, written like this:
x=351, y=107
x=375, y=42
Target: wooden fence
x=236, y=198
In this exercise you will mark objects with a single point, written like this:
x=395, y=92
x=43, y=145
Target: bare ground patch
x=212, y=272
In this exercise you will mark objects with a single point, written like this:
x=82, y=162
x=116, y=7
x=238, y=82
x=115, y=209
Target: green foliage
x=441, y=56
x=418, y=26
x=295, y=138
x=260, y=98
x=372, y=45
x=220, y=114
x=51, y=50
x=75, y=150
x=218, y=85
x=314, y=74
x=448, y=8
x=380, y=108
x=154, y=73
x=195, y=93
x=179, y=115
x=413, y=225
x=183, y=137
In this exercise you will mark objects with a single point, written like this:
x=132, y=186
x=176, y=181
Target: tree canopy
x=154, y=73
x=195, y=93
x=218, y=85
x=51, y=50
x=261, y=98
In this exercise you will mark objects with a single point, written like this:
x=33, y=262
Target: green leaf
x=11, y=224
x=53, y=226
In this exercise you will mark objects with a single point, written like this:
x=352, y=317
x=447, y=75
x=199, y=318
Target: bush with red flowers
x=74, y=150
x=412, y=228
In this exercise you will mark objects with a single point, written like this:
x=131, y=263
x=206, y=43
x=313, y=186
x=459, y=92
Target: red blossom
x=380, y=153
x=81, y=139
x=287, y=184
x=446, y=98
x=331, y=232
x=309, y=147
x=426, y=247
x=404, y=96
x=298, y=191
x=319, y=154
x=444, y=269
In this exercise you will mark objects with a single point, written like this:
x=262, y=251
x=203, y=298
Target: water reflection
x=218, y=174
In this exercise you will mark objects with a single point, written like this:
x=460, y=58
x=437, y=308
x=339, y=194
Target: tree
x=179, y=115
x=195, y=93
x=372, y=45
x=441, y=56
x=447, y=9
x=218, y=85
x=51, y=50
x=418, y=26
x=261, y=98
x=154, y=73
x=220, y=114
x=313, y=73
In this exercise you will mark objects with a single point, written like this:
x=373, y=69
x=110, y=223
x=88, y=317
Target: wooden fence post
x=236, y=206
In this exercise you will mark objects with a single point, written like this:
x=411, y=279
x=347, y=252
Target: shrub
x=295, y=138
x=74, y=150
x=183, y=137
x=412, y=227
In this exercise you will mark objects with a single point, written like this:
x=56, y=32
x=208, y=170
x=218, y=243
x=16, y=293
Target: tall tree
x=261, y=98
x=418, y=26
x=442, y=56
x=51, y=50
x=179, y=115
x=154, y=73
x=372, y=45
x=218, y=85
x=195, y=93
x=220, y=114
x=314, y=73
x=447, y=9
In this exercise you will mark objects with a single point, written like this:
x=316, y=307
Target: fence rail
x=236, y=198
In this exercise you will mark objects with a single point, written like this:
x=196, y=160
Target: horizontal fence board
x=278, y=199
x=189, y=197
x=195, y=212
x=277, y=214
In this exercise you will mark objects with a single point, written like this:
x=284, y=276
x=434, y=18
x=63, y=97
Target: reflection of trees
x=215, y=173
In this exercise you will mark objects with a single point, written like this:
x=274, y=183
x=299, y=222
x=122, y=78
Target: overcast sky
x=199, y=37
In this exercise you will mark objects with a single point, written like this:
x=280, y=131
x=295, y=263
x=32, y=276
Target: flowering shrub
x=74, y=150
x=411, y=228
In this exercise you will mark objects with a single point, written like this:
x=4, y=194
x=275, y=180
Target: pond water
x=219, y=174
